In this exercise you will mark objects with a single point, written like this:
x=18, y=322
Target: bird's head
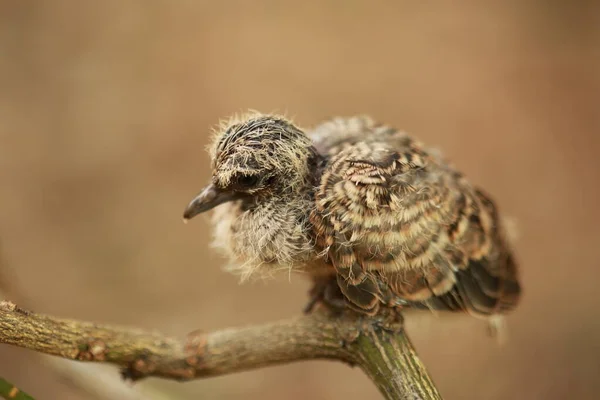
x=255, y=157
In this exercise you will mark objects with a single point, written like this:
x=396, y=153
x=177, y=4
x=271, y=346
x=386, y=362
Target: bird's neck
x=266, y=235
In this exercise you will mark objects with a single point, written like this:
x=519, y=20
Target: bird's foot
x=325, y=293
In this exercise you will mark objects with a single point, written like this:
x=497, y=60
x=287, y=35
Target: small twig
x=382, y=351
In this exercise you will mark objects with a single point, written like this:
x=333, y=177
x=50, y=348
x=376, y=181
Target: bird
x=375, y=218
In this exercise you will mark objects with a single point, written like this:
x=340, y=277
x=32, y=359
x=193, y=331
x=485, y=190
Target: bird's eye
x=247, y=181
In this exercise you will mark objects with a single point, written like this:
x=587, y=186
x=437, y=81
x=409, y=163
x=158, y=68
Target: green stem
x=9, y=391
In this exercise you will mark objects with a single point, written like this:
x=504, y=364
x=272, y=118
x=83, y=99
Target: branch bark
x=381, y=348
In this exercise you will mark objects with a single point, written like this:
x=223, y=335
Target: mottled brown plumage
x=363, y=208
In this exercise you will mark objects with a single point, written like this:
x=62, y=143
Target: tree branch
x=380, y=348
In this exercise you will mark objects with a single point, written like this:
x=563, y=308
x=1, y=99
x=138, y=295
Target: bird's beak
x=210, y=197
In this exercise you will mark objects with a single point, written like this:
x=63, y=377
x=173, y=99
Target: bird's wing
x=401, y=227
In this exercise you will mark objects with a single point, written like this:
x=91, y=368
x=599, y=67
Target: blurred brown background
x=105, y=109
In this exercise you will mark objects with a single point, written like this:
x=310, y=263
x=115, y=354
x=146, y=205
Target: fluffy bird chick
x=372, y=215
